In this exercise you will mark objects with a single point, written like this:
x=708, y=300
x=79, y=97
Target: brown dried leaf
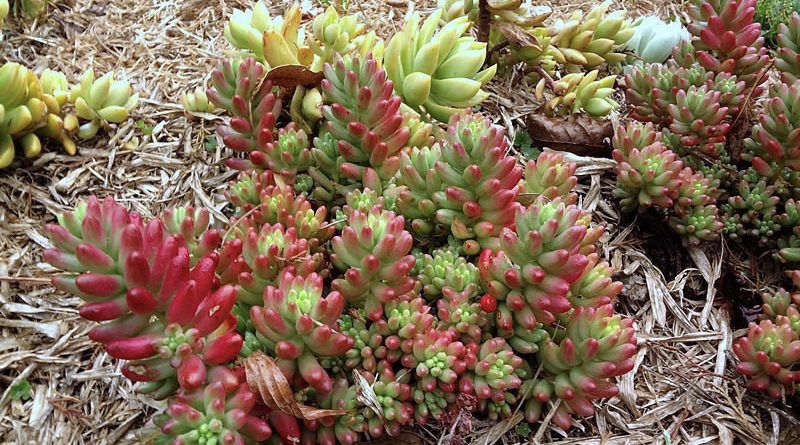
x=577, y=133
x=266, y=379
x=291, y=76
x=517, y=35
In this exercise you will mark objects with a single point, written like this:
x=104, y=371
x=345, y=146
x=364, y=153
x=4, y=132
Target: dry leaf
x=291, y=76
x=267, y=380
x=517, y=35
x=577, y=133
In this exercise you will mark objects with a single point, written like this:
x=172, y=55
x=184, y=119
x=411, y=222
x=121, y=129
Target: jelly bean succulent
x=466, y=183
x=298, y=324
x=445, y=275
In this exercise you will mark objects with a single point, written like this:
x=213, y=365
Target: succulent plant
x=100, y=101
x=461, y=313
x=653, y=39
x=578, y=92
x=787, y=60
x=431, y=404
x=496, y=370
x=298, y=325
x=647, y=177
x=373, y=250
x=333, y=34
x=344, y=429
x=592, y=40
x=30, y=9
x=775, y=138
x=287, y=155
x=394, y=397
x=438, y=360
x=595, y=287
x=466, y=183
x=544, y=55
x=258, y=258
x=55, y=95
x=696, y=189
x=728, y=40
x=21, y=110
x=754, y=207
x=221, y=412
x=520, y=13
x=273, y=41
x=253, y=108
x=767, y=357
x=699, y=120
x=197, y=331
x=363, y=132
x=551, y=176
x=261, y=202
x=445, y=268
x=596, y=347
x=636, y=135
x=644, y=85
x=530, y=276
x=438, y=71
x=697, y=224
x=197, y=101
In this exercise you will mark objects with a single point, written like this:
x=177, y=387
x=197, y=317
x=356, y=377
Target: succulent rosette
x=298, y=325
x=530, y=276
x=775, y=138
x=767, y=357
x=728, y=40
x=496, y=371
x=647, y=177
x=595, y=347
x=438, y=71
x=258, y=258
x=461, y=312
x=438, y=359
x=446, y=268
x=699, y=120
x=636, y=135
x=238, y=89
x=394, y=396
x=373, y=250
x=363, y=131
x=221, y=412
x=471, y=188
x=579, y=92
x=551, y=176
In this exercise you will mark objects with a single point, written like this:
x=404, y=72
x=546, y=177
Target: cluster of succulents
x=371, y=246
x=34, y=106
x=694, y=99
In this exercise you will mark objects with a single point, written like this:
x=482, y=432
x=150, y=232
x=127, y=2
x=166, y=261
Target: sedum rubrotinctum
x=446, y=274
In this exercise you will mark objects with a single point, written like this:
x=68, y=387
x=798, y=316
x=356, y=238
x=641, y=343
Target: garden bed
x=683, y=388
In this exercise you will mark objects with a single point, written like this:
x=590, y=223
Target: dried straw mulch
x=683, y=389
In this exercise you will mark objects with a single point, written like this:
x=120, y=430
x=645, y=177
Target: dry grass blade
x=267, y=380
x=366, y=395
